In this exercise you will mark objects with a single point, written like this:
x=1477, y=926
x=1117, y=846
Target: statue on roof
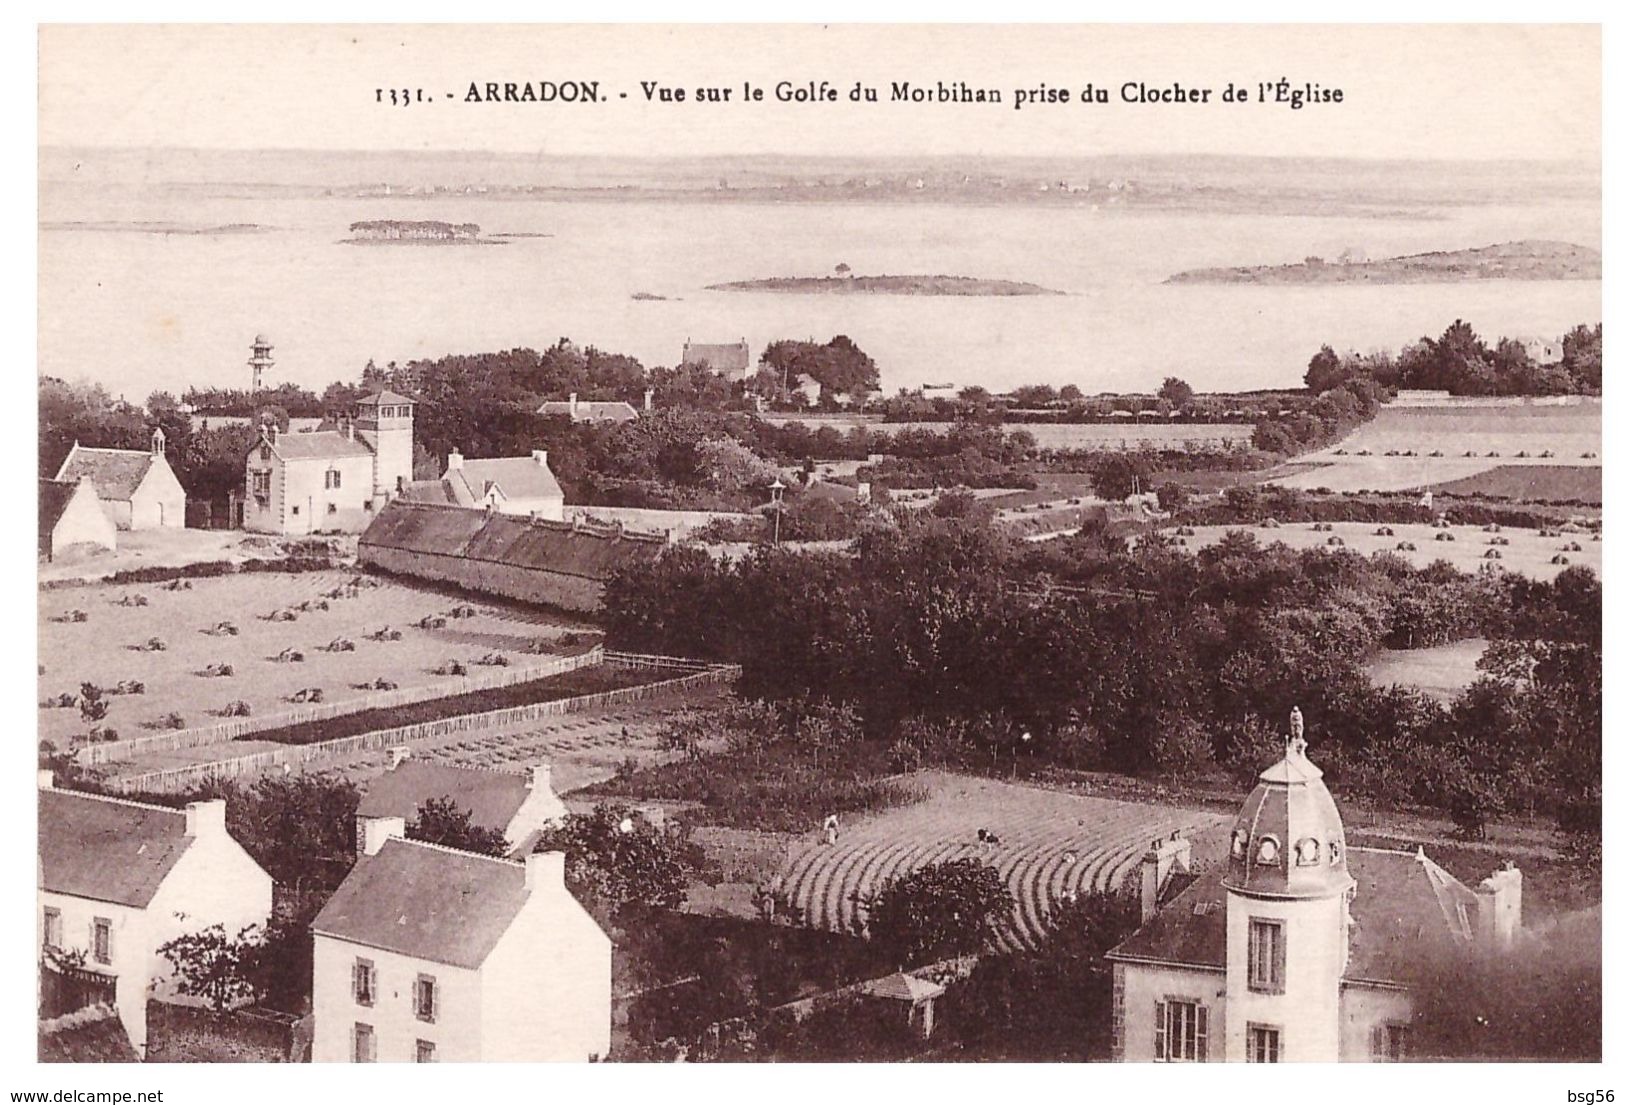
x=1295, y=742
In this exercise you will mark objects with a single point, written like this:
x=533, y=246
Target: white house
x=333, y=479
x=118, y=879
x=577, y=409
x=71, y=516
x=427, y=954
x=1299, y=949
x=509, y=485
x=518, y=806
x=138, y=490
x=730, y=360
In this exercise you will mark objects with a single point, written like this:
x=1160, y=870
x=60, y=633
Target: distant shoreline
x=420, y=242
x=1523, y=260
x=885, y=285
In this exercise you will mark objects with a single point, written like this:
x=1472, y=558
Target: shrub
x=943, y=909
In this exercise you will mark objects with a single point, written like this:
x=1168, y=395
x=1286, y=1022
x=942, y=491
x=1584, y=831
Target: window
x=364, y=982
x=101, y=940
x=334, y=478
x=265, y=452
x=262, y=485
x=1390, y=1043
x=53, y=927
x=332, y=508
x=296, y=510
x=1266, y=956
x=1308, y=849
x=1181, y=1031
x=1238, y=843
x=1263, y=1043
x=363, y=1044
x=426, y=1052
x=1269, y=850
x=425, y=997
x=367, y=506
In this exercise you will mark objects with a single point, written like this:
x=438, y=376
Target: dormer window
x=1238, y=844
x=1308, y=852
x=1334, y=851
x=1269, y=850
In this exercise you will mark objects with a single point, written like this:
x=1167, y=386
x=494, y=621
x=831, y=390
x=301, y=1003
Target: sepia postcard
x=845, y=544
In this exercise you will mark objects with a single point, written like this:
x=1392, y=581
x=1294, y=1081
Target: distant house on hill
x=563, y=564
x=523, y=486
x=1541, y=350
x=517, y=806
x=588, y=410
x=117, y=879
x=430, y=955
x=138, y=490
x=334, y=478
x=71, y=515
x=731, y=361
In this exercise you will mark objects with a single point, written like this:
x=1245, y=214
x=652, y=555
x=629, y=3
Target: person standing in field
x=832, y=829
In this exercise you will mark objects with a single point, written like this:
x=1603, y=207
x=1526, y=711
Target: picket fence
x=223, y=732
x=293, y=756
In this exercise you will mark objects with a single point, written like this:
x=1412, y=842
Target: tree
x=209, y=964
x=1176, y=392
x=1172, y=495
x=442, y=821
x=1118, y=475
x=616, y=859
x=944, y=909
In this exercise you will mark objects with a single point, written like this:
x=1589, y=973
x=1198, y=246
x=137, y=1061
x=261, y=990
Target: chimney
x=1500, y=906
x=541, y=778
x=544, y=871
x=1164, y=858
x=539, y=456
x=271, y=432
x=349, y=429
x=47, y=779
x=206, y=818
x=398, y=754
x=454, y=461
x=371, y=832
x=648, y=400
x=573, y=405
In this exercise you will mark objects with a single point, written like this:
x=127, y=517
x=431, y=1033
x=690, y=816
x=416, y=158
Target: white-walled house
x=118, y=879
x=524, y=486
x=138, y=490
x=1300, y=948
x=517, y=805
x=331, y=479
x=71, y=516
x=427, y=954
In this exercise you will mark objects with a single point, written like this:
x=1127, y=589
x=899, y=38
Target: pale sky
x=1410, y=91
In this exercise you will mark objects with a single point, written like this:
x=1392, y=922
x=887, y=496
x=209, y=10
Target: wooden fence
x=293, y=756
x=226, y=731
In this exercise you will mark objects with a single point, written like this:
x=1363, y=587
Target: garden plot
x=178, y=644
x=1050, y=845
x=1467, y=548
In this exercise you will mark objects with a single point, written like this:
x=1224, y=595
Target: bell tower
x=1287, y=894
x=384, y=421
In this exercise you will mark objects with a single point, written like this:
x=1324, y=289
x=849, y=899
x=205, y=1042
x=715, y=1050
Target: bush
x=944, y=909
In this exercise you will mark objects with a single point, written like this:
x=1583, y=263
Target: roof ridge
x=466, y=767
x=115, y=800
x=457, y=852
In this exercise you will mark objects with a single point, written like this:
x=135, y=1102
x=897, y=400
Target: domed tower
x=261, y=361
x=1286, y=922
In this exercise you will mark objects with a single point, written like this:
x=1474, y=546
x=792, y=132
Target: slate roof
x=427, y=902
x=584, y=551
x=1405, y=906
x=382, y=398
x=588, y=410
x=107, y=849
x=443, y=492
x=319, y=445
x=729, y=357
x=94, y=1034
x=903, y=987
x=115, y=472
x=490, y=797
x=518, y=477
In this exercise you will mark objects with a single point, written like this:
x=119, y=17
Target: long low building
x=560, y=564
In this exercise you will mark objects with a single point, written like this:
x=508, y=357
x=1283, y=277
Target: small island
x=1524, y=260
x=650, y=297
x=885, y=285
x=417, y=232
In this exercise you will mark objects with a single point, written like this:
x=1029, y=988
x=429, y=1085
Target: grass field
x=1471, y=441
x=106, y=648
x=1549, y=483
x=1441, y=671
x=1069, y=435
x=1051, y=844
x=1525, y=551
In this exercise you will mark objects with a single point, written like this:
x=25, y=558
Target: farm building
x=138, y=490
x=330, y=479
x=1274, y=958
x=509, y=485
x=430, y=955
x=577, y=409
x=71, y=515
x=563, y=564
x=731, y=360
x=117, y=879
x=517, y=806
